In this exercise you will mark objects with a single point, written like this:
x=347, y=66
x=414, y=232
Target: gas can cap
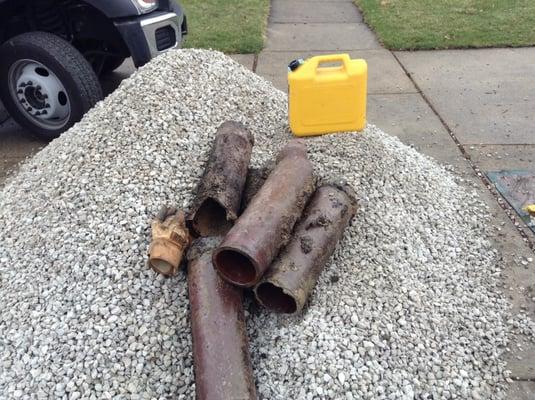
x=295, y=64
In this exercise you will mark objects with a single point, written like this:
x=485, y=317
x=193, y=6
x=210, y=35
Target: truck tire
x=46, y=85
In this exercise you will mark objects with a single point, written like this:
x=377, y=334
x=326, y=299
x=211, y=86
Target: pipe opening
x=273, y=298
x=211, y=219
x=161, y=266
x=235, y=267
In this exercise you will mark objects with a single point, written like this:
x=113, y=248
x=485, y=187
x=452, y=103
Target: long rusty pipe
x=290, y=280
x=266, y=224
x=217, y=203
x=222, y=363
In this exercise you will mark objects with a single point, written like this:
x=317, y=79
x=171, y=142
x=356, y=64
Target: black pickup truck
x=52, y=53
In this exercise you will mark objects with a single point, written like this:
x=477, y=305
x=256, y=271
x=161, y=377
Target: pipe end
x=165, y=257
x=275, y=299
x=294, y=148
x=235, y=267
x=211, y=219
x=161, y=266
x=236, y=128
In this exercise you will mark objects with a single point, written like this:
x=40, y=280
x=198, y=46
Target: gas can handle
x=318, y=60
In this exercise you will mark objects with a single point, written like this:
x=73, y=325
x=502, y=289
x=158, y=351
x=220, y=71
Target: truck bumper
x=152, y=34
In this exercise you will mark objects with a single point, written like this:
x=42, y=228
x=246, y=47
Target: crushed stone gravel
x=409, y=307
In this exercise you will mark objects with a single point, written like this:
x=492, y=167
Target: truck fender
x=114, y=9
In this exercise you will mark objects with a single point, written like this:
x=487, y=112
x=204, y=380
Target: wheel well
x=81, y=24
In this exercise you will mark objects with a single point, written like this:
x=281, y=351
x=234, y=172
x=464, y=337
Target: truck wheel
x=45, y=83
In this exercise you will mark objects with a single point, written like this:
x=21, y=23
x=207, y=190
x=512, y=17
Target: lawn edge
x=386, y=44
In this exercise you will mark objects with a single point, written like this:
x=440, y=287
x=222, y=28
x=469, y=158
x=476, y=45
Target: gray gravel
x=408, y=308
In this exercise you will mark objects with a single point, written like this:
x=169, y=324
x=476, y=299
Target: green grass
x=232, y=26
x=441, y=24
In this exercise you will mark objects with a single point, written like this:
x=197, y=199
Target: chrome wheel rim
x=39, y=94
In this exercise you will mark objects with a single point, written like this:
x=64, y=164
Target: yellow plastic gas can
x=327, y=98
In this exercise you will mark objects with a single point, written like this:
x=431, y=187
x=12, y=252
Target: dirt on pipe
x=287, y=285
x=218, y=200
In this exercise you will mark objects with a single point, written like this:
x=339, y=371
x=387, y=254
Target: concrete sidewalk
x=486, y=98
x=470, y=109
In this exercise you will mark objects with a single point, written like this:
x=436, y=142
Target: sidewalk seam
x=511, y=213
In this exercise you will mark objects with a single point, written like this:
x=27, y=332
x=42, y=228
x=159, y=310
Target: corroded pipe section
x=266, y=224
x=219, y=192
x=292, y=277
x=220, y=348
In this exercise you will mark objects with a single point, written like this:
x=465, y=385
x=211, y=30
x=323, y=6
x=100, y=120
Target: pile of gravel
x=408, y=307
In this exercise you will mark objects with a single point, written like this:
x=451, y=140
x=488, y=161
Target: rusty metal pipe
x=219, y=192
x=220, y=347
x=292, y=277
x=266, y=224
